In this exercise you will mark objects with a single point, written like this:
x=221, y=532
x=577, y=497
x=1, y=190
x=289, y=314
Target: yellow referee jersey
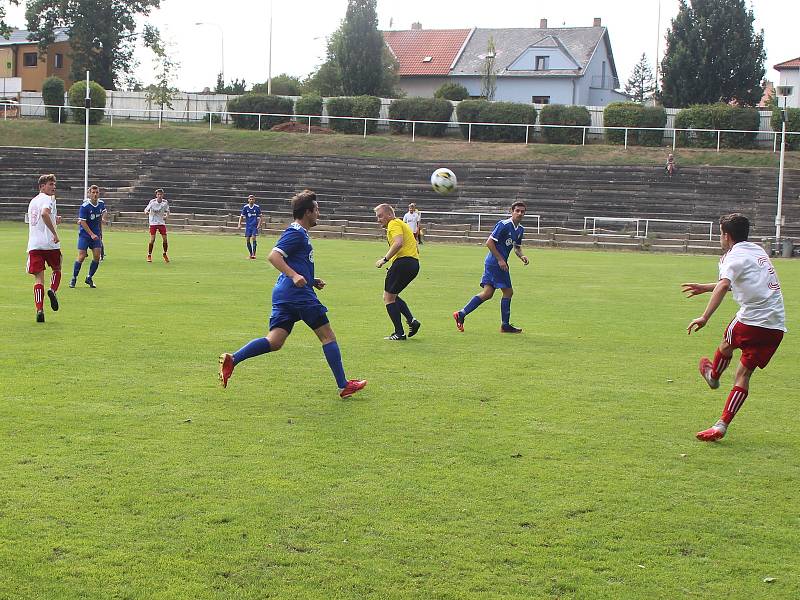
x=397, y=227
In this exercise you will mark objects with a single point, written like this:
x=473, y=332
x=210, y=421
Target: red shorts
x=38, y=258
x=162, y=229
x=757, y=344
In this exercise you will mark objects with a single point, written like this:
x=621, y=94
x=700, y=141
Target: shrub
x=652, y=116
x=451, y=91
x=310, y=104
x=77, y=95
x=467, y=111
x=354, y=106
x=559, y=114
x=215, y=118
x=481, y=111
x=622, y=114
x=53, y=95
x=421, y=109
x=717, y=116
x=259, y=104
x=792, y=124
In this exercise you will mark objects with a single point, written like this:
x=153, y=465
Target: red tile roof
x=769, y=88
x=789, y=64
x=412, y=46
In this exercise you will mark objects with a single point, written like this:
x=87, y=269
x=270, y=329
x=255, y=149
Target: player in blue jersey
x=294, y=299
x=507, y=234
x=253, y=221
x=90, y=235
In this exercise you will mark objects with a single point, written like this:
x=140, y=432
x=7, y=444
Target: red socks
x=38, y=296
x=735, y=400
x=55, y=280
x=720, y=363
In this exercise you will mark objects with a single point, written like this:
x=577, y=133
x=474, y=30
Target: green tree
x=451, y=91
x=326, y=81
x=234, y=88
x=641, y=84
x=161, y=91
x=101, y=33
x=489, y=79
x=4, y=28
x=282, y=85
x=713, y=55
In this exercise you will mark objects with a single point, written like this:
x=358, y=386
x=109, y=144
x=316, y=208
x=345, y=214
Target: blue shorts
x=85, y=243
x=286, y=315
x=495, y=277
x=251, y=231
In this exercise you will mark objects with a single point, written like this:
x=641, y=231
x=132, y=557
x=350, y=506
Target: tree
x=451, y=91
x=101, y=33
x=326, y=81
x=713, y=55
x=161, y=92
x=4, y=28
x=234, y=88
x=641, y=84
x=489, y=79
x=282, y=85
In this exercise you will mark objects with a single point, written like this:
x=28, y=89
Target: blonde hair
x=384, y=207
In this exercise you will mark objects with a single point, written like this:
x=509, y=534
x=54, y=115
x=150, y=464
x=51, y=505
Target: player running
x=43, y=244
x=253, y=222
x=758, y=327
x=90, y=235
x=294, y=299
x=157, y=210
x=505, y=235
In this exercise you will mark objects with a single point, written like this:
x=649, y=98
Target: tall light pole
x=269, y=63
x=221, y=46
x=782, y=91
x=658, y=40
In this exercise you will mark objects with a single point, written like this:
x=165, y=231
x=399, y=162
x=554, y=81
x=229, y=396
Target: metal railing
x=639, y=220
x=479, y=215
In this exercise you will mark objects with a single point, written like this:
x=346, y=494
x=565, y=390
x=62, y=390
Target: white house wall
x=422, y=87
x=791, y=77
x=522, y=89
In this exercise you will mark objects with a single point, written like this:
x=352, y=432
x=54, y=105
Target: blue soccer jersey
x=505, y=237
x=251, y=215
x=92, y=215
x=295, y=247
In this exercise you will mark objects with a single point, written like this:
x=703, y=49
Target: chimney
x=416, y=25
x=542, y=23
x=598, y=22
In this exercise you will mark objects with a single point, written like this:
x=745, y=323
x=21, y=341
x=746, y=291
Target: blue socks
x=505, y=310
x=255, y=246
x=334, y=357
x=256, y=347
x=76, y=268
x=249, y=248
x=471, y=305
x=93, y=268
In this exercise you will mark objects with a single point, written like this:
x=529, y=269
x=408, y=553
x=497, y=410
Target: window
x=427, y=59
x=30, y=59
x=542, y=63
x=59, y=62
x=540, y=99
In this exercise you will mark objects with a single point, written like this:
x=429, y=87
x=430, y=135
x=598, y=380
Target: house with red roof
x=789, y=72
x=543, y=65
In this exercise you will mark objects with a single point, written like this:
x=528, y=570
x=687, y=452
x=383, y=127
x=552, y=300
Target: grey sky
x=300, y=28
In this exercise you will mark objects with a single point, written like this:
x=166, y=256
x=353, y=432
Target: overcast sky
x=300, y=28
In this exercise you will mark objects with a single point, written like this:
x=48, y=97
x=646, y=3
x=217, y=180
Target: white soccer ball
x=443, y=181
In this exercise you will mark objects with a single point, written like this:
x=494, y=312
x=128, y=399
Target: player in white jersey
x=413, y=219
x=44, y=246
x=757, y=329
x=157, y=211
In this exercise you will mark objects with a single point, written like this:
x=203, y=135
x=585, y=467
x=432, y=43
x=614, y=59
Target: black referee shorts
x=400, y=274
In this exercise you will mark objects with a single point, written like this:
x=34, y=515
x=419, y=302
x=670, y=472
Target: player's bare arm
x=239, y=225
x=695, y=289
x=47, y=218
x=720, y=289
x=276, y=259
x=397, y=243
x=522, y=257
x=501, y=262
x=85, y=226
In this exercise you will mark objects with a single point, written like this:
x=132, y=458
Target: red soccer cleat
x=149, y=258
x=225, y=368
x=705, y=371
x=166, y=258
x=459, y=320
x=712, y=434
x=353, y=385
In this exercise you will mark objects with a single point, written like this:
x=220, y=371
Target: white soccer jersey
x=754, y=286
x=39, y=236
x=157, y=211
x=412, y=219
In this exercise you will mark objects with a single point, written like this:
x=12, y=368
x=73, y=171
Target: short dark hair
x=519, y=203
x=159, y=190
x=735, y=225
x=302, y=203
x=94, y=187
x=46, y=179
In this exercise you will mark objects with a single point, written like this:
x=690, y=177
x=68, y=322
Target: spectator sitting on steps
x=670, y=167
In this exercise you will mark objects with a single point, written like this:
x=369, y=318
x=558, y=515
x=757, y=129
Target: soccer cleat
x=353, y=385
x=166, y=258
x=705, y=372
x=508, y=328
x=413, y=328
x=252, y=257
x=53, y=300
x=459, y=320
x=149, y=258
x=395, y=337
x=72, y=282
x=225, y=368
x=90, y=283
x=712, y=434
x=40, y=316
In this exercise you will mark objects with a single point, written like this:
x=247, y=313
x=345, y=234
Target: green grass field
x=560, y=463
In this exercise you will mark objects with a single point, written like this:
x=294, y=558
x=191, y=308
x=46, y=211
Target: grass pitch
x=560, y=463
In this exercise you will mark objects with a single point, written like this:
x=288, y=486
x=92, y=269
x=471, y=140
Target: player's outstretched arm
x=720, y=289
x=695, y=289
x=276, y=259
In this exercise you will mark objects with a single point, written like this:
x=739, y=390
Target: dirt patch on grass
x=296, y=127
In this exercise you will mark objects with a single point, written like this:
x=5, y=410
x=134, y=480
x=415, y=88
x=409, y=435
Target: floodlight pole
x=269, y=63
x=778, y=215
x=87, y=106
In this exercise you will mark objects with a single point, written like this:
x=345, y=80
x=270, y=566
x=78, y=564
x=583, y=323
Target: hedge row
x=261, y=104
x=792, y=124
x=483, y=111
x=354, y=106
x=421, y=109
x=309, y=105
x=717, y=116
x=631, y=114
x=560, y=114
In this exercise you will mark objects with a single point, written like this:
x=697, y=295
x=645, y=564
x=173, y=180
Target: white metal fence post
x=59, y=115
x=719, y=138
x=111, y=114
x=674, y=139
x=309, y=126
x=210, y=119
x=259, y=121
x=527, y=131
x=469, y=135
x=365, y=128
x=583, y=143
x=626, y=138
x=159, y=118
x=775, y=142
x=413, y=130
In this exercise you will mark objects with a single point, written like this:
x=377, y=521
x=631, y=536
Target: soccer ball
x=443, y=181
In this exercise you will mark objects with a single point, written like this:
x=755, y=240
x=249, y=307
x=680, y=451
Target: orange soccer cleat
x=353, y=385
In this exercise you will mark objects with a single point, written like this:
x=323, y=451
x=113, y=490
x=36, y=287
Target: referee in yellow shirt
x=404, y=257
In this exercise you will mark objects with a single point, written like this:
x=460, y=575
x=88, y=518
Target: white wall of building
x=791, y=77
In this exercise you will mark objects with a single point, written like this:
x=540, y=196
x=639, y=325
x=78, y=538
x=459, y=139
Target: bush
x=559, y=114
x=77, y=95
x=481, y=111
x=652, y=116
x=717, y=116
x=260, y=104
x=215, y=118
x=354, y=106
x=421, y=109
x=53, y=95
x=310, y=104
x=451, y=91
x=631, y=114
x=792, y=124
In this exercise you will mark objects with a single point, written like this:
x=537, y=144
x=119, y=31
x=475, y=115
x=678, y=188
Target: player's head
x=93, y=193
x=305, y=208
x=159, y=194
x=518, y=211
x=412, y=207
x=251, y=199
x=734, y=228
x=47, y=184
x=384, y=214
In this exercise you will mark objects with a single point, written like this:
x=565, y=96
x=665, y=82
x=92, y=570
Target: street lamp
x=783, y=91
x=221, y=46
